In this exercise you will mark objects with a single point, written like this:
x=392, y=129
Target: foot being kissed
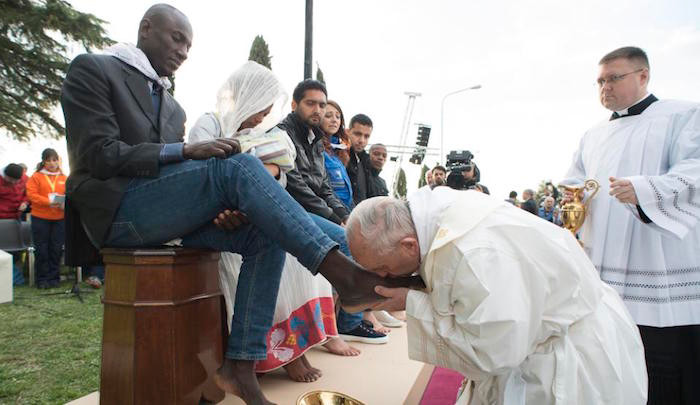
x=355, y=285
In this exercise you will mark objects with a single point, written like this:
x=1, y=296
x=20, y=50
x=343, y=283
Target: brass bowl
x=327, y=398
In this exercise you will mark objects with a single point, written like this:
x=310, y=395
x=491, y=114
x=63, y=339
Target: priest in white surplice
x=512, y=302
x=642, y=230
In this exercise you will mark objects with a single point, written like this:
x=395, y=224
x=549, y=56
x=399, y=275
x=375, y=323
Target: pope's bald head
x=165, y=36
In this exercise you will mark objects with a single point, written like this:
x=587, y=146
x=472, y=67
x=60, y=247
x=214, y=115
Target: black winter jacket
x=308, y=183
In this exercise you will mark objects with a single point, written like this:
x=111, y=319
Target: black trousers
x=673, y=364
x=49, y=236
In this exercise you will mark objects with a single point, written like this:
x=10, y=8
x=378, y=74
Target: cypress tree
x=259, y=52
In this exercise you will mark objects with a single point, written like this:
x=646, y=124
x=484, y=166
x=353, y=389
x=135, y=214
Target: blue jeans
x=182, y=202
x=48, y=236
x=346, y=321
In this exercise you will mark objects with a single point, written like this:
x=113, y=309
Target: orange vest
x=38, y=188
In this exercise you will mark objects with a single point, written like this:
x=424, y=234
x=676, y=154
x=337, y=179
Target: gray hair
x=377, y=145
x=381, y=221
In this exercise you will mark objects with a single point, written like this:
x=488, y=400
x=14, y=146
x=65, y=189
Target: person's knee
x=246, y=159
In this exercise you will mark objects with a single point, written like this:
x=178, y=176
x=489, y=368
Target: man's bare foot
x=298, y=371
x=238, y=378
x=338, y=346
x=355, y=286
x=400, y=315
x=376, y=325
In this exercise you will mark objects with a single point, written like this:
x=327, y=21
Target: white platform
x=5, y=277
x=382, y=374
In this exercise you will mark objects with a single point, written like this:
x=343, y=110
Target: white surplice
x=655, y=267
x=513, y=303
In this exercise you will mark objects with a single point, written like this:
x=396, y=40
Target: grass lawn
x=49, y=345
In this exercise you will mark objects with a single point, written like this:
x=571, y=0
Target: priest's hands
x=396, y=298
x=220, y=148
x=623, y=190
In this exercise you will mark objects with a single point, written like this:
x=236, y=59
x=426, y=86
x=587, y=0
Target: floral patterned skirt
x=306, y=327
x=304, y=312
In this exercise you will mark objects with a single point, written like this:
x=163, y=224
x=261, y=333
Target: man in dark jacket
x=529, y=203
x=308, y=183
x=358, y=168
x=376, y=186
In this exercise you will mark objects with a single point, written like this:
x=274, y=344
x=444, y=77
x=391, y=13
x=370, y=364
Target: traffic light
x=416, y=158
x=423, y=136
x=421, y=144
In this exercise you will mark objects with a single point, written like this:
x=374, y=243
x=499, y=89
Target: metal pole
x=442, y=118
x=308, y=39
x=404, y=130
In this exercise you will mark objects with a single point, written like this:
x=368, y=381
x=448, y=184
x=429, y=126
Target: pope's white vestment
x=513, y=303
x=655, y=267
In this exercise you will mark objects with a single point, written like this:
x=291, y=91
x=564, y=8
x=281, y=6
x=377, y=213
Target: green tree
x=259, y=52
x=319, y=74
x=34, y=37
x=400, y=186
x=423, y=171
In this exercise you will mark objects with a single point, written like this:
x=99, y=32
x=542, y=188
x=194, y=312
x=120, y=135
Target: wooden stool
x=163, y=328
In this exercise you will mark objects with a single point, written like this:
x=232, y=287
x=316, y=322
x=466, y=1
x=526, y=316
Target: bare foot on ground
x=338, y=346
x=310, y=367
x=238, y=378
x=298, y=371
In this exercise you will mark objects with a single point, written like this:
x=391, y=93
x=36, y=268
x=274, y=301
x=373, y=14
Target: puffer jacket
x=308, y=183
x=376, y=186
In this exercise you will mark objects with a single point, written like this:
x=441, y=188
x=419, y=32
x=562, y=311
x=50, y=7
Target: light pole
x=442, y=117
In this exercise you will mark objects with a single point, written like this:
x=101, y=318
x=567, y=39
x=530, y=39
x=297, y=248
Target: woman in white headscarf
x=247, y=108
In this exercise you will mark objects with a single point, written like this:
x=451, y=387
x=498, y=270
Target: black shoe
x=364, y=333
x=43, y=286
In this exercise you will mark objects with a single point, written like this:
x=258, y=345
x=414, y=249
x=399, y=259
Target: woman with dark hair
x=336, y=155
x=46, y=191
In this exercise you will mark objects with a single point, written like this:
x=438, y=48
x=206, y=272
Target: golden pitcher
x=573, y=213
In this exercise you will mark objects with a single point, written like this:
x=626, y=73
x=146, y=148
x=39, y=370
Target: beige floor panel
x=381, y=375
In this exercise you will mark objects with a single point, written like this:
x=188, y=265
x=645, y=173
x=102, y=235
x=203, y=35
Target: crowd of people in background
x=545, y=203
x=326, y=168
x=40, y=200
x=296, y=180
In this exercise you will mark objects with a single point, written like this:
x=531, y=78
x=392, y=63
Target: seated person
x=13, y=202
x=301, y=296
x=376, y=186
x=512, y=302
x=309, y=184
x=134, y=183
x=336, y=154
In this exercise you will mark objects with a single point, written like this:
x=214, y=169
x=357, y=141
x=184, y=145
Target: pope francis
x=512, y=301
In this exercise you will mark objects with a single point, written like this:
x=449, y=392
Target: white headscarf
x=250, y=89
x=133, y=56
